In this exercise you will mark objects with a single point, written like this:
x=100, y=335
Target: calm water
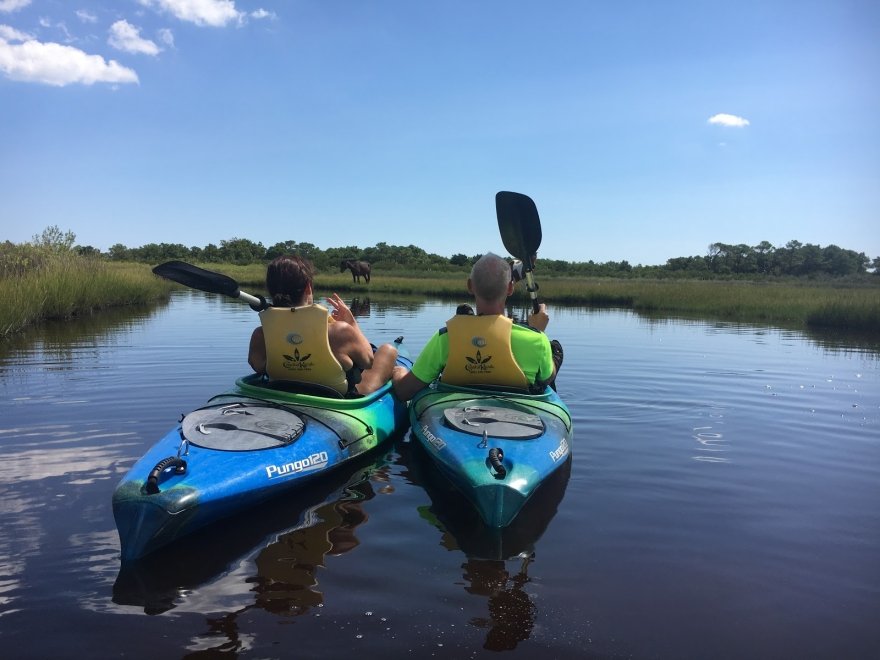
x=722, y=503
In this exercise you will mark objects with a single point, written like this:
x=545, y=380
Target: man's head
x=490, y=278
x=289, y=280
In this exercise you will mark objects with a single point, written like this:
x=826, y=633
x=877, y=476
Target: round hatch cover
x=242, y=427
x=497, y=422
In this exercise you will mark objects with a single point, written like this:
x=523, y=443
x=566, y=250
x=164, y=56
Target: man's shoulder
x=526, y=329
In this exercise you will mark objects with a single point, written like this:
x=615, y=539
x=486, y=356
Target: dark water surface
x=723, y=502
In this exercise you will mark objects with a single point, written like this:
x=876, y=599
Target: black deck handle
x=495, y=457
x=177, y=463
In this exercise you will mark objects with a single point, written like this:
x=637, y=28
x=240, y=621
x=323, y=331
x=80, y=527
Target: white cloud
x=11, y=34
x=166, y=37
x=215, y=13
x=724, y=119
x=13, y=5
x=86, y=17
x=55, y=64
x=262, y=13
x=126, y=37
x=60, y=26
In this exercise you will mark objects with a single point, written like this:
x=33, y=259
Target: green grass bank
x=46, y=285
x=37, y=285
x=826, y=304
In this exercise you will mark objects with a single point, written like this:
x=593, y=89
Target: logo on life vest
x=294, y=338
x=297, y=362
x=478, y=341
x=478, y=364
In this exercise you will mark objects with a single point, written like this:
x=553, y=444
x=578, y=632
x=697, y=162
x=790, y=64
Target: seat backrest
x=298, y=347
x=480, y=352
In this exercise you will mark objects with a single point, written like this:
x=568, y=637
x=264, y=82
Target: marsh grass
x=37, y=285
x=791, y=302
x=63, y=285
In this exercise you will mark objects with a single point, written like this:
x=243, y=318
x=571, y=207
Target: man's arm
x=406, y=384
x=539, y=320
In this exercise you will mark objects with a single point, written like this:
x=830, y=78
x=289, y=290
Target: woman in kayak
x=301, y=341
x=486, y=348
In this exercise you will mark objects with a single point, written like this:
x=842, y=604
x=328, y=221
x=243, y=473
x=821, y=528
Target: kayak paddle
x=208, y=281
x=520, y=229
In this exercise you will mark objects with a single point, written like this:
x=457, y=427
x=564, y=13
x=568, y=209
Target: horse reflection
x=360, y=307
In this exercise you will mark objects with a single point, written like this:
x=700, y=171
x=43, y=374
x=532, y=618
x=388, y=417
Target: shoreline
x=74, y=288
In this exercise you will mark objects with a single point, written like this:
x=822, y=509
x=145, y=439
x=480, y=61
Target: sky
x=643, y=129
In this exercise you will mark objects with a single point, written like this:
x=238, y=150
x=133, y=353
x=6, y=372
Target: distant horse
x=358, y=269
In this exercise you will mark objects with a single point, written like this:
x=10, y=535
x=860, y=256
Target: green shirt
x=531, y=350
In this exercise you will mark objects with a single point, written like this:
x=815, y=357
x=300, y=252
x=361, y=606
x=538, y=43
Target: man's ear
x=470, y=286
x=510, y=288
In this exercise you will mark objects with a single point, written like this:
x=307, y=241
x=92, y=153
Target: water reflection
x=63, y=340
x=511, y=612
x=286, y=583
x=710, y=439
x=497, y=561
x=360, y=308
x=286, y=562
x=43, y=468
x=783, y=527
x=835, y=339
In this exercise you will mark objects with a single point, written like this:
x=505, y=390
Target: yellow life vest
x=298, y=347
x=480, y=352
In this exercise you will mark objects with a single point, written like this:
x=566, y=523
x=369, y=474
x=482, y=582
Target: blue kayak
x=241, y=448
x=497, y=447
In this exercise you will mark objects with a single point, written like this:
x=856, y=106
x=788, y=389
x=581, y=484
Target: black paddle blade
x=198, y=278
x=519, y=224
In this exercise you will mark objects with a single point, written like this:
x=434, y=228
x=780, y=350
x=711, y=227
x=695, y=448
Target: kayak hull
x=242, y=448
x=496, y=447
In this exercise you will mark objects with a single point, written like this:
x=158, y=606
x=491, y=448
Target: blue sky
x=643, y=130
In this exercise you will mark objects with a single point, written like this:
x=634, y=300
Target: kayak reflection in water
x=511, y=611
x=286, y=582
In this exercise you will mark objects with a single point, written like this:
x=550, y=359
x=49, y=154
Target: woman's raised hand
x=340, y=312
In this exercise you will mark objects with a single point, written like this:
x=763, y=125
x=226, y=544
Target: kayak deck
x=496, y=447
x=239, y=449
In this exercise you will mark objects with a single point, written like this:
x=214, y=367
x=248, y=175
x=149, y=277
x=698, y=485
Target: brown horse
x=358, y=269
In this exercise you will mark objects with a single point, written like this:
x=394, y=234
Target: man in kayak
x=304, y=342
x=486, y=348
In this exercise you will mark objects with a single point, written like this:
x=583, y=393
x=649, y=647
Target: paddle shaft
x=208, y=281
x=256, y=303
x=532, y=288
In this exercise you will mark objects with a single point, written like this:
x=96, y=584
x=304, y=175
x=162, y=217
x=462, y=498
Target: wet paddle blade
x=198, y=278
x=519, y=224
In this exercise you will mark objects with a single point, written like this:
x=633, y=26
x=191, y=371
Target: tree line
x=722, y=260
